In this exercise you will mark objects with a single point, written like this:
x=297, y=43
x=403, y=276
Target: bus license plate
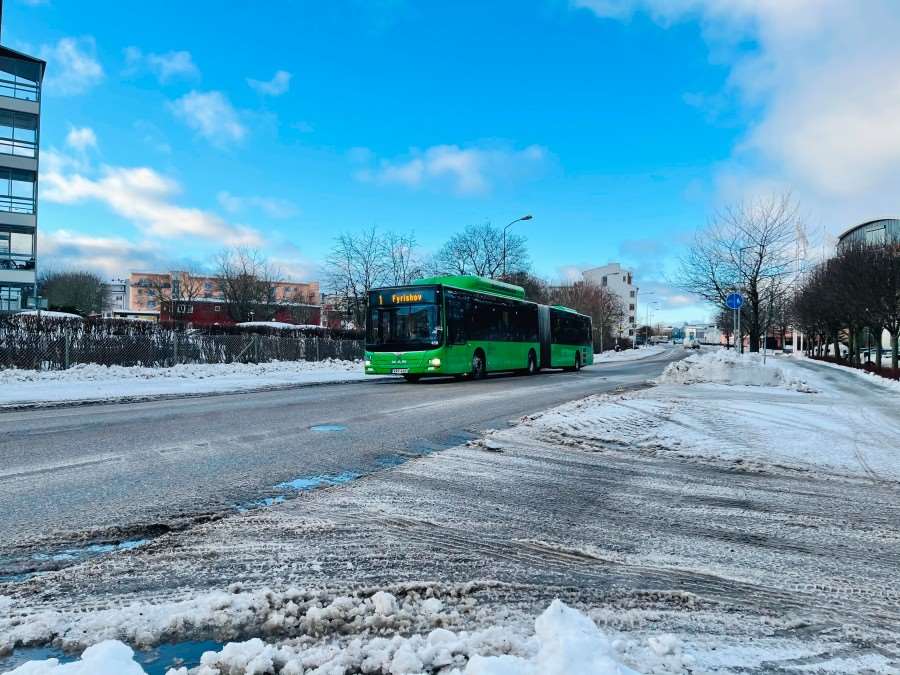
x=399, y=371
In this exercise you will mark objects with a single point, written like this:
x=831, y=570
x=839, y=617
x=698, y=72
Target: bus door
x=544, y=334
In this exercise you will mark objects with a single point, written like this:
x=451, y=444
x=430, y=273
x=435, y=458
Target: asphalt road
x=124, y=471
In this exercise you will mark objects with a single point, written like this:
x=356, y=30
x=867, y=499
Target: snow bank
x=629, y=354
x=782, y=420
x=569, y=642
x=91, y=381
x=106, y=658
x=727, y=367
x=566, y=642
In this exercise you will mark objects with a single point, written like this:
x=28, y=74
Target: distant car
x=691, y=344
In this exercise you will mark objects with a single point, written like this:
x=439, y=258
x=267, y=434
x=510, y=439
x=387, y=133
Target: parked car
x=690, y=344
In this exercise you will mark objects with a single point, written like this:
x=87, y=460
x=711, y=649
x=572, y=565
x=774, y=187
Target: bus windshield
x=405, y=325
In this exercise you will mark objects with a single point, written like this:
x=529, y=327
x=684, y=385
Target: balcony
x=17, y=268
x=18, y=88
x=13, y=204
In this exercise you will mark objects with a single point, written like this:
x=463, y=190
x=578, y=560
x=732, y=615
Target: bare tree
x=536, y=289
x=480, y=250
x=76, y=291
x=355, y=266
x=748, y=247
x=401, y=261
x=605, y=308
x=175, y=292
x=247, y=282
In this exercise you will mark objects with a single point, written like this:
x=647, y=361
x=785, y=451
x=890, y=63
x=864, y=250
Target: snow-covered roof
x=277, y=324
x=48, y=314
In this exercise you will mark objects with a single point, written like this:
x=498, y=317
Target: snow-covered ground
x=732, y=407
x=565, y=642
x=735, y=517
x=91, y=382
x=630, y=354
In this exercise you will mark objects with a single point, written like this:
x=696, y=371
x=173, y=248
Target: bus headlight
x=435, y=363
x=368, y=363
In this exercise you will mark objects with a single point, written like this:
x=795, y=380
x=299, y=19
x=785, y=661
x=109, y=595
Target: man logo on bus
x=406, y=297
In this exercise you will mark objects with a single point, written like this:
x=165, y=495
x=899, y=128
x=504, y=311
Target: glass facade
x=10, y=299
x=874, y=233
x=18, y=133
x=16, y=250
x=17, y=190
x=20, y=79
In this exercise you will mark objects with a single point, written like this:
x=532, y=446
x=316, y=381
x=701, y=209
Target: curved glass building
x=880, y=232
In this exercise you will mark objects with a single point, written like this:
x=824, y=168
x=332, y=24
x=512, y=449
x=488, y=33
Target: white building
x=703, y=333
x=115, y=296
x=619, y=281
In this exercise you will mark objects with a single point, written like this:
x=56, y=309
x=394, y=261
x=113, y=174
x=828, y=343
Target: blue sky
x=173, y=129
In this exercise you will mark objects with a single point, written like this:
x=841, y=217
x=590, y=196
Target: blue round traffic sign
x=734, y=301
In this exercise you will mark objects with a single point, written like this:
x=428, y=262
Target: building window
x=16, y=251
x=630, y=308
x=18, y=133
x=17, y=191
x=10, y=299
x=631, y=294
x=603, y=280
x=19, y=79
x=875, y=235
x=217, y=308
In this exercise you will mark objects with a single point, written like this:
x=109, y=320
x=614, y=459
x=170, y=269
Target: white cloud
x=109, y=256
x=820, y=84
x=72, y=65
x=211, y=115
x=167, y=66
x=467, y=171
x=278, y=85
x=141, y=195
x=271, y=206
x=81, y=138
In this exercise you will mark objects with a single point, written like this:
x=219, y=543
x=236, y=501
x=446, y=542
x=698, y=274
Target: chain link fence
x=155, y=350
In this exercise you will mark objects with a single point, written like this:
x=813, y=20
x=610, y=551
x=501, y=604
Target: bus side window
x=456, y=319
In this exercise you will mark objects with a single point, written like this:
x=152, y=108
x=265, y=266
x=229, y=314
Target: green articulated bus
x=470, y=326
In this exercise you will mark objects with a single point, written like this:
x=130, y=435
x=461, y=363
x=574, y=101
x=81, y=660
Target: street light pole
x=525, y=217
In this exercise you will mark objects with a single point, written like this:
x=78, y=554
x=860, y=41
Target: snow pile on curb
x=93, y=372
x=569, y=642
x=566, y=642
x=629, y=354
x=94, y=382
x=728, y=367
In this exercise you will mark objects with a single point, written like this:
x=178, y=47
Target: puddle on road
x=154, y=661
x=23, y=567
x=328, y=427
x=84, y=552
x=303, y=483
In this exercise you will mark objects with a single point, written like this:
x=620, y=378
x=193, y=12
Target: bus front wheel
x=411, y=378
x=479, y=366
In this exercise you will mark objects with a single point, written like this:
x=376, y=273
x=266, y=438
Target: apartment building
x=20, y=114
x=619, y=281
